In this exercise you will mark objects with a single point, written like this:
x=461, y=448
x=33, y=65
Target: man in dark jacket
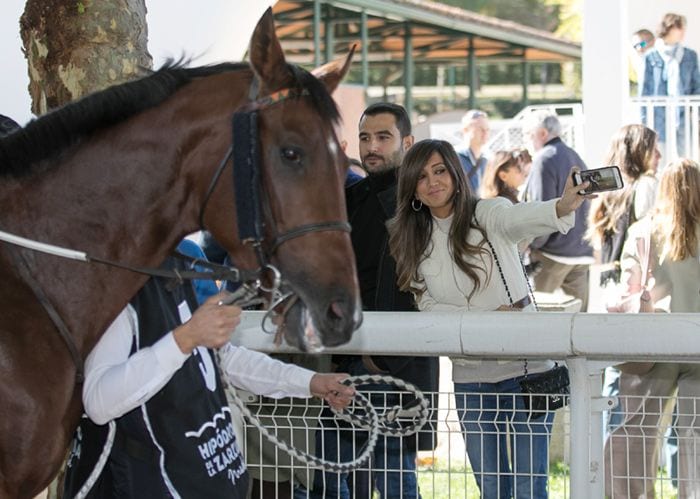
x=385, y=135
x=565, y=258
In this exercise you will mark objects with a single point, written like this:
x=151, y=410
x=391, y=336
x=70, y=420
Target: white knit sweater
x=447, y=287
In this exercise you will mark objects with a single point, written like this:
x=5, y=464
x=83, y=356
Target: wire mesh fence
x=484, y=445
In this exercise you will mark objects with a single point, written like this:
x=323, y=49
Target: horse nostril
x=336, y=310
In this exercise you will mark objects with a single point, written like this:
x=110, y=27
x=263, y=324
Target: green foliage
x=81, y=8
x=540, y=14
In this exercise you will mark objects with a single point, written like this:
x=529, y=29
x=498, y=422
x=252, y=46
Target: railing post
x=599, y=404
x=580, y=401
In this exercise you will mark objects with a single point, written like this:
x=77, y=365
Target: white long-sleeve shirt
x=116, y=383
x=447, y=287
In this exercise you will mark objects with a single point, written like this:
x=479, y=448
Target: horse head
x=302, y=173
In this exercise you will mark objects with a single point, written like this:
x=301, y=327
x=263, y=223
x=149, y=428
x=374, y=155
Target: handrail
x=680, y=114
x=604, y=337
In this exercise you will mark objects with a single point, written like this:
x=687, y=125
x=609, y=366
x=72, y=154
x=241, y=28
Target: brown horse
x=125, y=174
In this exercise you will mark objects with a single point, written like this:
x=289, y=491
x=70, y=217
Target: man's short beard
x=392, y=162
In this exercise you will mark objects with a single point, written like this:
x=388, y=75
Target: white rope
x=388, y=424
x=94, y=475
x=43, y=247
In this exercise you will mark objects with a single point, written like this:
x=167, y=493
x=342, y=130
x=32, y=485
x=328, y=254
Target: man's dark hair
x=403, y=123
x=7, y=125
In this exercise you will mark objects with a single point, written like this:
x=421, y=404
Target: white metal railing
x=512, y=136
x=510, y=133
x=675, y=119
x=588, y=343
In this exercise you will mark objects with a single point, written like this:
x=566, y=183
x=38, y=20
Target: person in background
x=564, y=259
x=204, y=288
x=634, y=149
x=670, y=69
x=642, y=42
x=385, y=136
x=153, y=373
x=475, y=133
x=456, y=253
x=632, y=450
x=504, y=175
x=355, y=172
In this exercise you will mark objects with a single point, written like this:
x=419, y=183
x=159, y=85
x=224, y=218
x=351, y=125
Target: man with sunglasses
x=642, y=41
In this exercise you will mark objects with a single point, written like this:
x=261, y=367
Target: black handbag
x=545, y=391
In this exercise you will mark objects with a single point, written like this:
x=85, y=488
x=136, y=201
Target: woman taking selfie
x=456, y=253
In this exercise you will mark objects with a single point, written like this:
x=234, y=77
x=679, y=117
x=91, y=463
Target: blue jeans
x=393, y=467
x=490, y=414
x=393, y=463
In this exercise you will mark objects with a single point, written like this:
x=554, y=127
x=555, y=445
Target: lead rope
x=101, y=461
x=387, y=424
x=362, y=415
x=104, y=455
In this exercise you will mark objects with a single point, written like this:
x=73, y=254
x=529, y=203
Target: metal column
x=452, y=82
x=471, y=73
x=408, y=70
x=580, y=426
x=317, y=33
x=365, y=49
x=329, y=32
x=525, y=65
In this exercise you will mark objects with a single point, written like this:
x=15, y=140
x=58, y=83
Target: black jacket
x=371, y=203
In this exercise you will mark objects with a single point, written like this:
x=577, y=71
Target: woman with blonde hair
x=673, y=230
x=457, y=253
x=634, y=149
x=504, y=174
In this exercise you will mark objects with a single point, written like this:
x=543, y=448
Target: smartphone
x=603, y=179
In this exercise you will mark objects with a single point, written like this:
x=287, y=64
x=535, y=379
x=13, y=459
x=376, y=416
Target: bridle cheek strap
x=251, y=204
x=246, y=180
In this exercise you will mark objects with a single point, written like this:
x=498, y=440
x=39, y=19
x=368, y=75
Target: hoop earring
x=413, y=204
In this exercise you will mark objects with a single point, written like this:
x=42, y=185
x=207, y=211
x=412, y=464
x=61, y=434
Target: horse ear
x=332, y=73
x=266, y=56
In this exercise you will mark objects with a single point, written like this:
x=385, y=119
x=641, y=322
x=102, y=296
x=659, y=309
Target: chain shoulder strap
x=503, y=276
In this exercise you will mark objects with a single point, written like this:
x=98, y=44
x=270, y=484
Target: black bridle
x=252, y=205
x=252, y=208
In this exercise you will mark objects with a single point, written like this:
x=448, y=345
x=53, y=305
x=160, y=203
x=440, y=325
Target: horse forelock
x=46, y=137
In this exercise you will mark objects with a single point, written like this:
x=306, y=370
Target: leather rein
x=252, y=207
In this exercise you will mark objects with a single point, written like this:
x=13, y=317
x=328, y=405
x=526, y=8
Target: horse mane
x=44, y=138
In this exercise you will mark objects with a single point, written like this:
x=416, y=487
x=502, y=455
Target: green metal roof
x=438, y=32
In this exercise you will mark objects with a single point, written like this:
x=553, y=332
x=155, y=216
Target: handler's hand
x=329, y=388
x=210, y=326
x=570, y=198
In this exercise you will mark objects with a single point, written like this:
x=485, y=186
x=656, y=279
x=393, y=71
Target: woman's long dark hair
x=632, y=149
x=492, y=186
x=410, y=230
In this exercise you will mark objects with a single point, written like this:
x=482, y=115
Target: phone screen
x=601, y=179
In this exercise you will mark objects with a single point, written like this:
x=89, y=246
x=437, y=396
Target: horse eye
x=291, y=154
